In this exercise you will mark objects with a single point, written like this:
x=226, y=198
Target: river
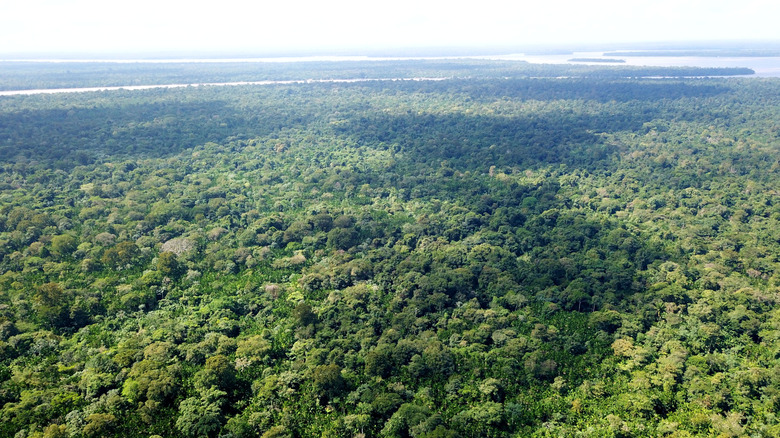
x=213, y=84
x=763, y=66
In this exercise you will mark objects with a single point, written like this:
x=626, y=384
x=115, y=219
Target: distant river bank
x=765, y=67
x=215, y=84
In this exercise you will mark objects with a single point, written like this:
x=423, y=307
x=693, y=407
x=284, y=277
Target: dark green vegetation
x=475, y=257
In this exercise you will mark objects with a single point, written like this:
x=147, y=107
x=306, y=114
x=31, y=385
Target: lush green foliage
x=471, y=257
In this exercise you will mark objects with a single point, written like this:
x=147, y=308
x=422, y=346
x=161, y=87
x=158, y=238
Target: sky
x=263, y=27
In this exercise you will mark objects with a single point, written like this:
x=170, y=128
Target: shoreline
x=212, y=84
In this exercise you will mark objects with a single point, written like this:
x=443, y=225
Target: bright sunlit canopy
x=92, y=26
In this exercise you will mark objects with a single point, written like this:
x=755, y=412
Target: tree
x=296, y=231
x=328, y=381
x=255, y=348
x=63, y=245
x=219, y=372
x=169, y=265
x=342, y=238
x=322, y=222
x=277, y=432
x=201, y=416
x=99, y=425
x=303, y=315
x=52, y=305
x=122, y=255
x=481, y=420
x=151, y=380
x=379, y=361
x=405, y=418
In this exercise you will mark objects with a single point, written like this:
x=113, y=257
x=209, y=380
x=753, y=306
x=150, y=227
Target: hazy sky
x=232, y=25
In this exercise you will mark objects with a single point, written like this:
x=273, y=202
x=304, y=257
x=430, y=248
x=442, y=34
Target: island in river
x=601, y=60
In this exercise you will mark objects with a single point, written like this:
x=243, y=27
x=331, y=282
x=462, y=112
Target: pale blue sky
x=84, y=26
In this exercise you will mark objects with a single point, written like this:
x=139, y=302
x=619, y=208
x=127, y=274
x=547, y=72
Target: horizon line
x=380, y=52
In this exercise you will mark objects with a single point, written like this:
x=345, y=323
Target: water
x=213, y=84
x=765, y=67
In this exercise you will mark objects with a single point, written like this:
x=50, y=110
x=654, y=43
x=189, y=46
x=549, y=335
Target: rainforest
x=511, y=250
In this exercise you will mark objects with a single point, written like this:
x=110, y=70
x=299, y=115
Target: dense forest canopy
x=508, y=252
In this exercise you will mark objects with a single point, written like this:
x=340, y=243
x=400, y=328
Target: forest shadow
x=605, y=90
x=596, y=89
x=443, y=157
x=468, y=142
x=132, y=126
x=64, y=138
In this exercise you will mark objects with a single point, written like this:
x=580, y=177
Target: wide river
x=763, y=66
x=211, y=84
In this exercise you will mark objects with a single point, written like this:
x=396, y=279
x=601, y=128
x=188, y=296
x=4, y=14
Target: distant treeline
x=704, y=53
x=38, y=75
x=604, y=60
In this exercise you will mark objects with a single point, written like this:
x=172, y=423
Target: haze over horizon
x=54, y=28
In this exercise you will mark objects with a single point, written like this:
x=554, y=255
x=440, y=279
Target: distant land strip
x=604, y=60
x=214, y=84
x=699, y=53
x=617, y=72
